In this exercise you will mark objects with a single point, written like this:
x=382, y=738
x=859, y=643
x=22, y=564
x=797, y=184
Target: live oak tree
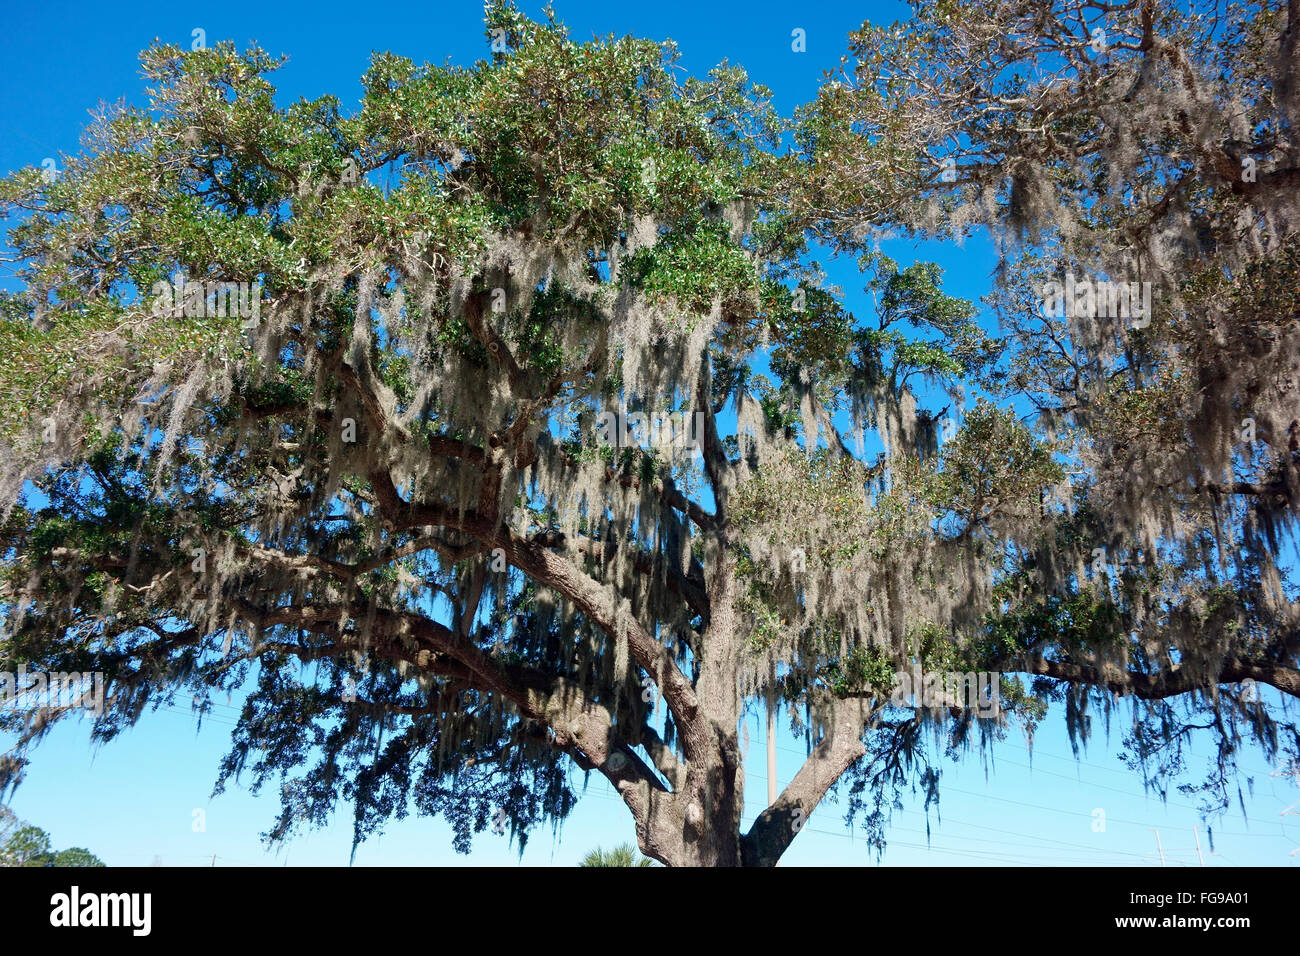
x=412, y=484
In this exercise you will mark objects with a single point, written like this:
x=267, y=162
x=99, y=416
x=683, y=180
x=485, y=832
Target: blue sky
x=135, y=800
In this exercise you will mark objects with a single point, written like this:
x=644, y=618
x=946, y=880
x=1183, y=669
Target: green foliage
x=994, y=467
x=863, y=669
x=1075, y=621
x=623, y=855
x=694, y=268
x=38, y=368
x=411, y=540
x=75, y=856
x=26, y=845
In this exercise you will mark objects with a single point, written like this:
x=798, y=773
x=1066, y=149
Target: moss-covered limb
x=690, y=587
x=1174, y=681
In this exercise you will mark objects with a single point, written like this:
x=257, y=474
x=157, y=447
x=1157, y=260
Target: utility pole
x=1294, y=772
x=1198, y=844
x=214, y=859
x=1158, y=846
x=771, y=749
x=771, y=742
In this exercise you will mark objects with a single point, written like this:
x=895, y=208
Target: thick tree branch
x=776, y=827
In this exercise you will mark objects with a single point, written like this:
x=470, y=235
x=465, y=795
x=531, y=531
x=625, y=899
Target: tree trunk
x=700, y=825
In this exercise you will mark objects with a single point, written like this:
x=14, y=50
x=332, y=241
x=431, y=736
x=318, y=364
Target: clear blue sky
x=135, y=799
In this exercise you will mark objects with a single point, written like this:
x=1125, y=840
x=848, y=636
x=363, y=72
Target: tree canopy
x=506, y=428
x=22, y=844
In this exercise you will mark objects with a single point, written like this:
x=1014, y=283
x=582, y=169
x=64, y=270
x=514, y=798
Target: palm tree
x=624, y=855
